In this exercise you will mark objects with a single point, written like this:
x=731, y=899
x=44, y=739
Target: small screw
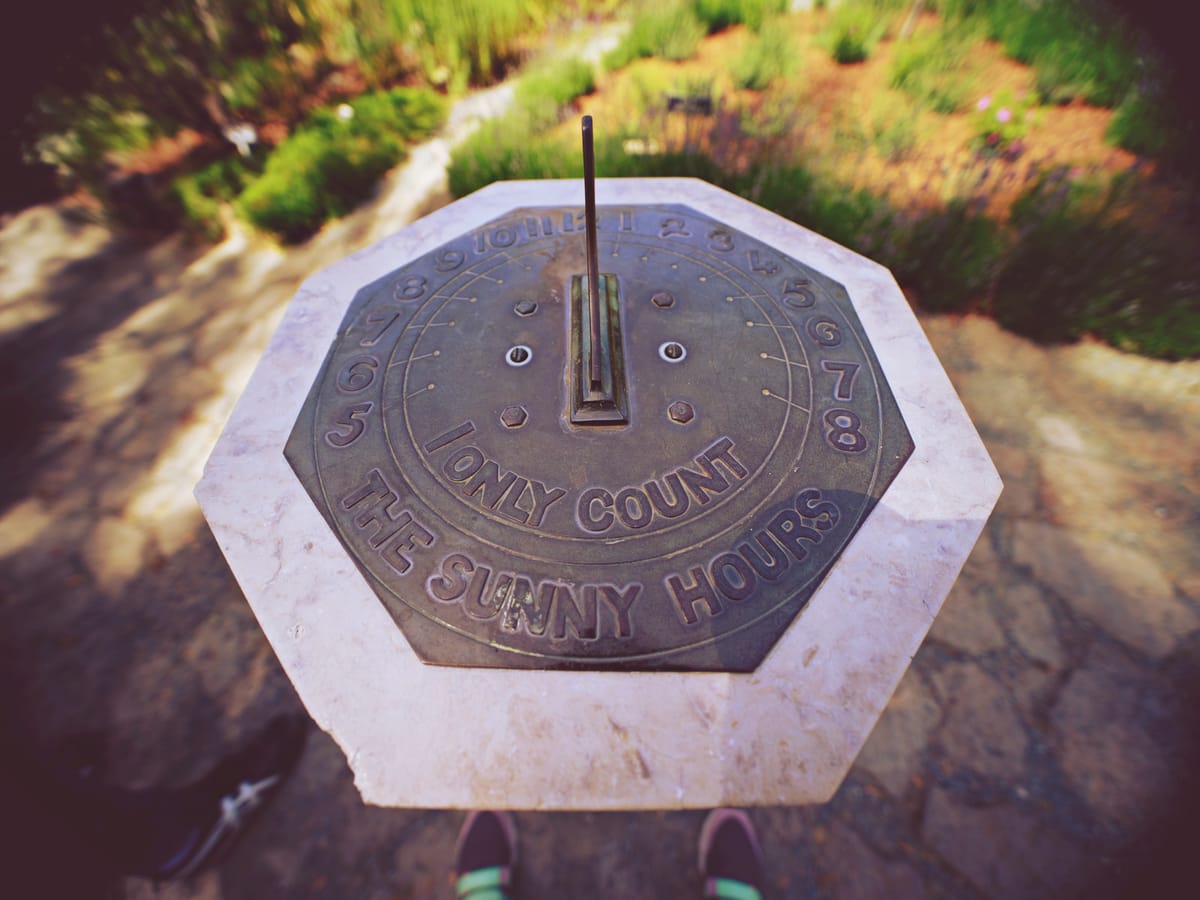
x=525, y=308
x=513, y=416
x=681, y=412
x=663, y=300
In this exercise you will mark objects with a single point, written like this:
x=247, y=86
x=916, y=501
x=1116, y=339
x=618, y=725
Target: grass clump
x=719, y=14
x=770, y=54
x=201, y=195
x=930, y=68
x=331, y=164
x=951, y=256
x=543, y=94
x=856, y=29
x=1078, y=268
x=669, y=30
x=1140, y=126
x=1078, y=48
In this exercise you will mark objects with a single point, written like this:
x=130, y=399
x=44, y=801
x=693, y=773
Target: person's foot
x=486, y=857
x=223, y=802
x=730, y=856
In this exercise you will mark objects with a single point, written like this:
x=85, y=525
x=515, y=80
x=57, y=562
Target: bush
x=856, y=30
x=1001, y=121
x=929, y=68
x=719, y=14
x=200, y=195
x=1078, y=48
x=1140, y=126
x=331, y=164
x=950, y=257
x=542, y=94
x=1077, y=268
x=769, y=55
x=670, y=30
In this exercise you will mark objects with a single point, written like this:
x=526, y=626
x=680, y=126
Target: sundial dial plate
x=607, y=738
x=749, y=434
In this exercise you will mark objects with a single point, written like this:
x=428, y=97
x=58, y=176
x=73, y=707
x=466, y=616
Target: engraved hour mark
x=846, y=373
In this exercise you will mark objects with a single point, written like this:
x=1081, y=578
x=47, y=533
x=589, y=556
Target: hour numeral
x=798, y=295
x=673, y=227
x=824, y=332
x=758, y=264
x=358, y=375
x=846, y=373
x=350, y=420
x=384, y=320
x=448, y=259
x=844, y=431
x=720, y=240
x=410, y=288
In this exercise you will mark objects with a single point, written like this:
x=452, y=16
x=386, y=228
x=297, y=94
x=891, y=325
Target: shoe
x=731, y=859
x=228, y=798
x=485, y=859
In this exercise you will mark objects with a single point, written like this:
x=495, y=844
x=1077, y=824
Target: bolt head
x=513, y=416
x=681, y=412
x=525, y=308
x=663, y=299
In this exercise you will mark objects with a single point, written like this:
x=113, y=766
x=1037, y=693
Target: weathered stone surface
x=1020, y=496
x=982, y=731
x=1060, y=432
x=893, y=752
x=1005, y=852
x=114, y=551
x=1108, y=759
x=1026, y=616
x=855, y=872
x=965, y=621
x=1120, y=589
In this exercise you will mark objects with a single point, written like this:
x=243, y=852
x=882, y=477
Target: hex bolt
x=513, y=416
x=525, y=308
x=681, y=412
x=663, y=299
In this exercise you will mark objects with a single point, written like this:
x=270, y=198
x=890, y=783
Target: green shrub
x=542, y=94
x=200, y=214
x=856, y=29
x=950, y=256
x=1001, y=120
x=505, y=150
x=1140, y=125
x=1077, y=48
x=719, y=14
x=199, y=195
x=461, y=41
x=332, y=163
x=769, y=55
x=669, y=30
x=930, y=69
x=1077, y=268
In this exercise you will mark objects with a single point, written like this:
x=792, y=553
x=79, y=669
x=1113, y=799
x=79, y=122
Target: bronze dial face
x=658, y=480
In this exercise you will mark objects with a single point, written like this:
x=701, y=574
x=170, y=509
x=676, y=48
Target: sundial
x=661, y=529
x=623, y=436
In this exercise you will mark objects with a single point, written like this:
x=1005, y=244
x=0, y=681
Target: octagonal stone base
x=428, y=736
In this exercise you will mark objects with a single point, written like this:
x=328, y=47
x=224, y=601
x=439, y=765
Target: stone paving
x=1043, y=744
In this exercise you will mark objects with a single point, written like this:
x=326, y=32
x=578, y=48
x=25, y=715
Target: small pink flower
x=993, y=138
x=1003, y=114
x=984, y=103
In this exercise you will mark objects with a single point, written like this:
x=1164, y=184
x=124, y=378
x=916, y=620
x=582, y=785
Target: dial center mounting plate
x=438, y=443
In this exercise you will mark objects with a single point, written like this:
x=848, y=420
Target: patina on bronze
x=653, y=468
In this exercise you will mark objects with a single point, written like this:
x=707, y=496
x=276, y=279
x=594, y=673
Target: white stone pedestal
x=426, y=736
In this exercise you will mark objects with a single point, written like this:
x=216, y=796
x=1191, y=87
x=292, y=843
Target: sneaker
x=227, y=799
x=486, y=856
x=730, y=856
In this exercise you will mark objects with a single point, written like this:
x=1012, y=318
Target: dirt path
x=1041, y=743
